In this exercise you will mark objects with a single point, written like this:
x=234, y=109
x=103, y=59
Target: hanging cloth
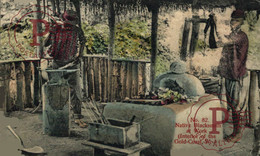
x=211, y=23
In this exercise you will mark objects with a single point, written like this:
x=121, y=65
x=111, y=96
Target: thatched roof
x=210, y=4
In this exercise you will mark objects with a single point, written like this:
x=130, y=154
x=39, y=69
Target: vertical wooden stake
x=185, y=38
x=253, y=101
x=111, y=21
x=155, y=11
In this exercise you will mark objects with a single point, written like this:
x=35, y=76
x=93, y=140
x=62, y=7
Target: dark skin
x=235, y=25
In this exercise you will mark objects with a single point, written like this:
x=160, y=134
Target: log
x=254, y=99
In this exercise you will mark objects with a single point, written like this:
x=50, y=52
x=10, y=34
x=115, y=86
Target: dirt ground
x=29, y=127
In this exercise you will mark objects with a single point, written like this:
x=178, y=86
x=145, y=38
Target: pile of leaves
x=168, y=96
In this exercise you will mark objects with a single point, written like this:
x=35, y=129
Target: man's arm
x=82, y=41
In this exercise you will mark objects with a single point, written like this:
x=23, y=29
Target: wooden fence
x=19, y=85
x=128, y=78
x=19, y=81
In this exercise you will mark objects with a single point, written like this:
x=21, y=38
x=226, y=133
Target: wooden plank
x=194, y=35
x=129, y=80
x=185, y=38
x=136, y=148
x=85, y=77
x=123, y=73
x=28, y=84
x=106, y=80
x=154, y=45
x=135, y=80
x=118, y=82
x=141, y=79
x=21, y=87
x=96, y=79
x=2, y=86
x=253, y=99
x=7, y=89
x=110, y=75
x=12, y=87
x=37, y=87
x=101, y=79
x=91, y=79
x=114, y=82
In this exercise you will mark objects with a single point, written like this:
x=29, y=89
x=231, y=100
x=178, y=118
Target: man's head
x=70, y=17
x=237, y=19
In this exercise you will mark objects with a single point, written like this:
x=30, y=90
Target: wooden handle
x=10, y=128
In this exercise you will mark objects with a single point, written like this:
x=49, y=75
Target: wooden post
x=155, y=11
x=7, y=91
x=135, y=79
x=111, y=22
x=185, y=38
x=129, y=79
x=37, y=86
x=2, y=86
x=123, y=79
x=96, y=78
x=194, y=35
x=29, y=71
x=39, y=50
x=21, y=87
x=76, y=4
x=253, y=100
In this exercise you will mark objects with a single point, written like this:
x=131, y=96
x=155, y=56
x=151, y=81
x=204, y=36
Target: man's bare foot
x=233, y=138
x=81, y=124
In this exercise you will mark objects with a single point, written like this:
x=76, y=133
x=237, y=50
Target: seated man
x=178, y=80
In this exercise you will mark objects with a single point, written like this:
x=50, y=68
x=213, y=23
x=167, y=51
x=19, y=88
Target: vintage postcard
x=130, y=77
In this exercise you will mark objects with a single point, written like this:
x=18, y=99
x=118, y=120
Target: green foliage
x=200, y=45
x=97, y=38
x=132, y=40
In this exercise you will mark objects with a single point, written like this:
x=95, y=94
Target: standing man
x=232, y=67
x=63, y=41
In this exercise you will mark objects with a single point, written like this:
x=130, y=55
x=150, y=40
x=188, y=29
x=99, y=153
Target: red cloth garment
x=65, y=38
x=232, y=65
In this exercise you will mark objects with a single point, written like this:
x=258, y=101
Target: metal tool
x=33, y=150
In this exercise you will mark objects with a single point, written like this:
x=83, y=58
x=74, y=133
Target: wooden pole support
x=254, y=99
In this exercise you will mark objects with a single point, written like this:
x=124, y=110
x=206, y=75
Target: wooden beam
x=253, y=100
x=185, y=38
x=39, y=50
x=111, y=22
x=194, y=35
x=154, y=45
